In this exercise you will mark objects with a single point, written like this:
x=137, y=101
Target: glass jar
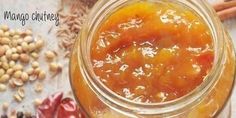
x=210, y=99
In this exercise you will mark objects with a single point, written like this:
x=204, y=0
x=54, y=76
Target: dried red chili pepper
x=49, y=106
x=68, y=109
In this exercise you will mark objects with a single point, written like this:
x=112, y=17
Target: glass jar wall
x=210, y=99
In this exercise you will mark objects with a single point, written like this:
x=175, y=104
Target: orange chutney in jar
x=152, y=53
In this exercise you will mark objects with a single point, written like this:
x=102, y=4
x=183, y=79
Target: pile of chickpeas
x=19, y=54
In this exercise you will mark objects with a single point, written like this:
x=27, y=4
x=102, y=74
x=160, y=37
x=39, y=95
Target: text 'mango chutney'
x=152, y=52
x=154, y=59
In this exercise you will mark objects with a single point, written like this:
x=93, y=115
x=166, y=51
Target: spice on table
x=68, y=109
x=226, y=10
x=56, y=107
x=49, y=106
x=50, y=55
x=71, y=22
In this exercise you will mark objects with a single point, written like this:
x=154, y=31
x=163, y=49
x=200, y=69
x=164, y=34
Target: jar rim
x=189, y=99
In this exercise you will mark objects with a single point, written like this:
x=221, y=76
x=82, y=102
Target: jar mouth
x=118, y=102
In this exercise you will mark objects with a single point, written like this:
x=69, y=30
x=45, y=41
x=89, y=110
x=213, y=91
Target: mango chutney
x=152, y=53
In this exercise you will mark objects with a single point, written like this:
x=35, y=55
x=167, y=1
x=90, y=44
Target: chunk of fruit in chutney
x=152, y=52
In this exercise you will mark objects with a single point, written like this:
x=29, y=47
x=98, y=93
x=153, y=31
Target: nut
x=3, y=87
x=17, y=98
x=24, y=77
x=37, y=102
x=41, y=75
x=12, y=64
x=50, y=55
x=15, y=56
x=33, y=78
x=14, y=50
x=4, y=78
x=7, y=34
x=5, y=40
x=36, y=71
x=10, y=71
x=30, y=71
x=17, y=67
x=28, y=39
x=3, y=59
x=19, y=49
x=4, y=27
x=2, y=50
x=2, y=72
x=34, y=55
x=24, y=58
x=5, y=65
x=17, y=74
x=11, y=83
x=39, y=44
x=55, y=67
x=1, y=33
x=28, y=32
x=21, y=92
x=35, y=64
x=25, y=46
x=31, y=47
x=18, y=82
